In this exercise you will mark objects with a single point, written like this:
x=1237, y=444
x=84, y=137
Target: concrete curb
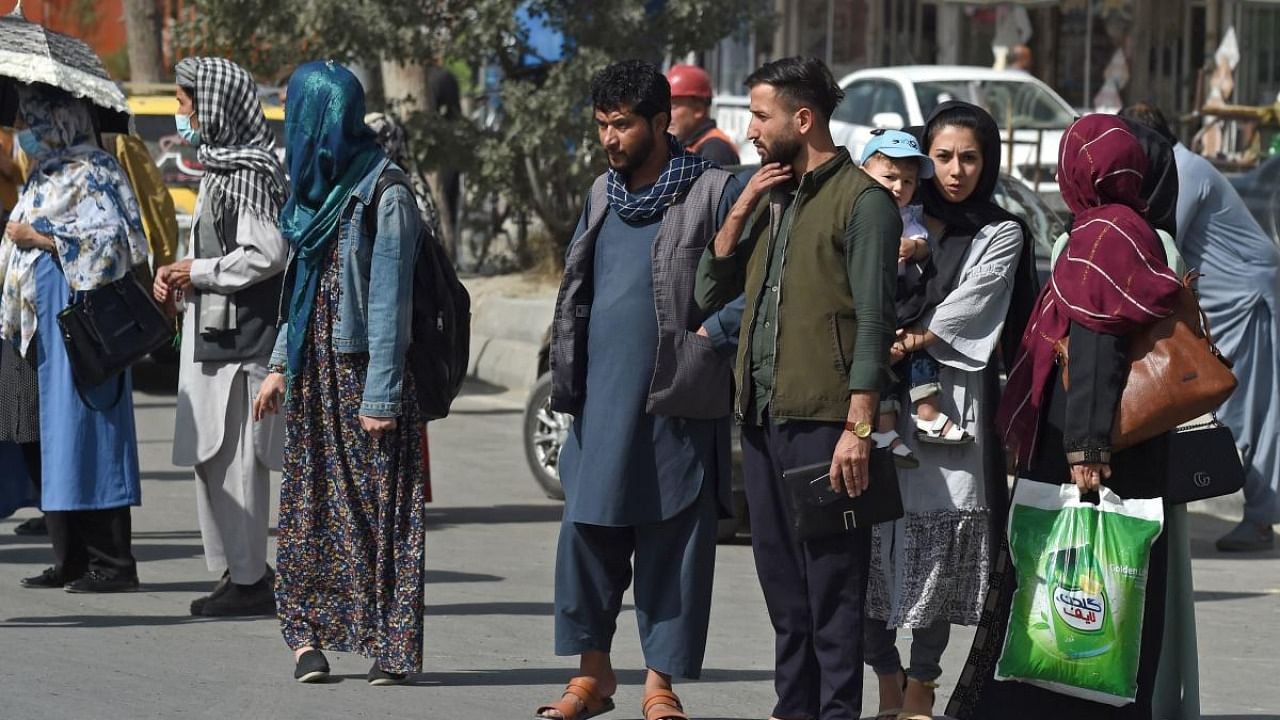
x=506, y=335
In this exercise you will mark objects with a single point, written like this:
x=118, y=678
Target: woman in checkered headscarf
x=230, y=285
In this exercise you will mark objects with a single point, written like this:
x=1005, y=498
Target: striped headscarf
x=1112, y=277
x=237, y=148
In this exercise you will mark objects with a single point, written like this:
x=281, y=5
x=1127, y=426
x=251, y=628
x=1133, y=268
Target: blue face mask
x=188, y=133
x=30, y=144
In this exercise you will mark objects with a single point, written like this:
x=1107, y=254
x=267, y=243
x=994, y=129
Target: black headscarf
x=1160, y=184
x=963, y=220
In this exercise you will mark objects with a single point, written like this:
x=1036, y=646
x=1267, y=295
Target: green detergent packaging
x=1075, y=626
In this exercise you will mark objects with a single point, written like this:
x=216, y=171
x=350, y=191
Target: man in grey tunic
x=1239, y=291
x=230, y=280
x=646, y=466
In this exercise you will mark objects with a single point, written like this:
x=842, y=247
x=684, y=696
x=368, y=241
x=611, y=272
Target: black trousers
x=97, y=539
x=814, y=591
x=31, y=458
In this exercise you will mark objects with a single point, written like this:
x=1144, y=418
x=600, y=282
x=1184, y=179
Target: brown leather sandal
x=653, y=701
x=581, y=700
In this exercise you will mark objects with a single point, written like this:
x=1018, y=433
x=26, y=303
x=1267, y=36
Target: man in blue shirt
x=646, y=466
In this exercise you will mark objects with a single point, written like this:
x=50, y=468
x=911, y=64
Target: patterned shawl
x=76, y=194
x=237, y=148
x=1111, y=278
x=682, y=170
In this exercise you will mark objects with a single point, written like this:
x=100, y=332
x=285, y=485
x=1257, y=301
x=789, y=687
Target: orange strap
x=666, y=698
x=585, y=690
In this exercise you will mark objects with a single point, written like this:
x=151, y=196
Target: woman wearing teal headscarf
x=351, y=535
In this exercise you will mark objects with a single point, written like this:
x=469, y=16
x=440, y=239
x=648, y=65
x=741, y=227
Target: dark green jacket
x=835, y=312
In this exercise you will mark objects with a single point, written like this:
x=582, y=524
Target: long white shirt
x=204, y=389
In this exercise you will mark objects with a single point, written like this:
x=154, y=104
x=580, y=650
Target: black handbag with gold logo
x=1203, y=462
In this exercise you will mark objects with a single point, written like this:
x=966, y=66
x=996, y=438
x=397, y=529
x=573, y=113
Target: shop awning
x=1024, y=3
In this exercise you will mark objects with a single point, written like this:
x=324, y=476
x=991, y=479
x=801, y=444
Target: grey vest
x=691, y=379
x=256, y=306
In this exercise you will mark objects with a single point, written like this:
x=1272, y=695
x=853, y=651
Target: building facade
x=1095, y=53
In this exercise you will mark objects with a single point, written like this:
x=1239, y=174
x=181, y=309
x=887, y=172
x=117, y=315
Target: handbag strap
x=1189, y=280
x=119, y=396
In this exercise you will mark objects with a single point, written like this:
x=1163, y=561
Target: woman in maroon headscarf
x=1110, y=282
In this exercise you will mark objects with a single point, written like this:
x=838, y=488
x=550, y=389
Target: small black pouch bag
x=822, y=512
x=1203, y=462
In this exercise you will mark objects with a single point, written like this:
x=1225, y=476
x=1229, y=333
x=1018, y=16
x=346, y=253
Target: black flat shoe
x=96, y=581
x=379, y=677
x=32, y=526
x=46, y=580
x=312, y=667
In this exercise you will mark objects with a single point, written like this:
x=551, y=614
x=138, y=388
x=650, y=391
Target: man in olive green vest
x=817, y=259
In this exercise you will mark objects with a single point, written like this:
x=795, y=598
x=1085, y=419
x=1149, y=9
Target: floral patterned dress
x=351, y=537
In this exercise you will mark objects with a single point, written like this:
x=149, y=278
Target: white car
x=899, y=97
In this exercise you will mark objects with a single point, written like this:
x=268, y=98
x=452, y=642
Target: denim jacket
x=373, y=317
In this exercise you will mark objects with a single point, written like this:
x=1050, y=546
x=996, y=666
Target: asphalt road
x=490, y=550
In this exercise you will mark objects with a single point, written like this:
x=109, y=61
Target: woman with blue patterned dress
x=75, y=228
x=351, y=536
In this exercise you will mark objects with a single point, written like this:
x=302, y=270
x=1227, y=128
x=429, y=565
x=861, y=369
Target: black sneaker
x=380, y=677
x=33, y=526
x=1247, y=537
x=50, y=578
x=312, y=667
x=197, y=605
x=243, y=600
x=97, y=581
x=224, y=584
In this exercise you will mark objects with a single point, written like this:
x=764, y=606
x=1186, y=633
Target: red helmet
x=689, y=81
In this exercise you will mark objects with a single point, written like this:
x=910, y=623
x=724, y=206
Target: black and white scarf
x=237, y=147
x=682, y=171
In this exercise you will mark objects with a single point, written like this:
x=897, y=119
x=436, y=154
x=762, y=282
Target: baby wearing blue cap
x=893, y=158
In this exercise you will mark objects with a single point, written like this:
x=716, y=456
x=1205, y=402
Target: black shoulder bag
x=108, y=329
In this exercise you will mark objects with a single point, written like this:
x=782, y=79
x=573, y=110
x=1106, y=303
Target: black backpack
x=440, y=339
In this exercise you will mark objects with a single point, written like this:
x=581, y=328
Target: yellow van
x=153, y=107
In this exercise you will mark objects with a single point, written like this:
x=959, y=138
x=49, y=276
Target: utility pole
x=142, y=27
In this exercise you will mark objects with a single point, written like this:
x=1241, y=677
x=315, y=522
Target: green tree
x=539, y=158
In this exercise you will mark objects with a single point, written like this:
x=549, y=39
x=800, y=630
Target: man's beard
x=783, y=150
x=633, y=160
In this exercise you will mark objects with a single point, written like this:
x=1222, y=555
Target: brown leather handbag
x=1176, y=373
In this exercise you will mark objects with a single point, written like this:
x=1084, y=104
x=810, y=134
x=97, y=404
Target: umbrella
x=31, y=53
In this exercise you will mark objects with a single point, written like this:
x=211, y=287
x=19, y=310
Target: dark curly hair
x=633, y=84
x=801, y=82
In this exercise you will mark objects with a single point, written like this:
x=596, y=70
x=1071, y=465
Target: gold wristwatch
x=861, y=429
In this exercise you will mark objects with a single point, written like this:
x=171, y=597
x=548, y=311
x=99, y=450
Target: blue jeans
x=918, y=375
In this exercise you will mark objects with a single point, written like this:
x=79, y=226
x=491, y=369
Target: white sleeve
x=261, y=252
x=969, y=320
